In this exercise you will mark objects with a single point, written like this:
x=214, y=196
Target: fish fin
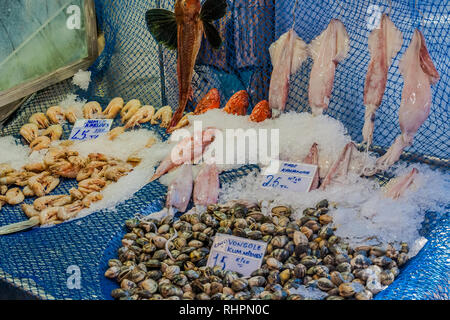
x=394, y=39
x=162, y=25
x=213, y=10
x=342, y=41
x=300, y=53
x=425, y=61
x=175, y=119
x=212, y=34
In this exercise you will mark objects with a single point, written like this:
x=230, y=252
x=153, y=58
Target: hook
x=293, y=13
x=423, y=17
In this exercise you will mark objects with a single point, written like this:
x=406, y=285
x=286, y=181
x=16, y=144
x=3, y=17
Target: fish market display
x=166, y=258
x=287, y=55
x=327, y=50
x=384, y=43
x=419, y=74
x=183, y=30
x=97, y=165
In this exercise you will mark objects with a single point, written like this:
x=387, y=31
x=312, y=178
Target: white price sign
x=87, y=129
x=236, y=254
x=291, y=176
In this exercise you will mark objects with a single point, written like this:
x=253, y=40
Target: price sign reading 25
x=87, y=129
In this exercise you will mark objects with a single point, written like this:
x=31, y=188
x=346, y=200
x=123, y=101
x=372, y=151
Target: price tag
x=296, y=177
x=87, y=129
x=236, y=254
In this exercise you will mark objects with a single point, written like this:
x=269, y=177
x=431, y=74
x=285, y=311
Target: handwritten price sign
x=236, y=254
x=291, y=176
x=87, y=129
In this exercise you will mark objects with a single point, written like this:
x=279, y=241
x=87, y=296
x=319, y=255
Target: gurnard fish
x=384, y=44
x=180, y=190
x=313, y=158
x=206, y=186
x=419, y=73
x=327, y=50
x=287, y=55
x=187, y=150
x=397, y=186
x=183, y=30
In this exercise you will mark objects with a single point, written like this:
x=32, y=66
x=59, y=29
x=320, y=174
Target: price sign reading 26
x=291, y=176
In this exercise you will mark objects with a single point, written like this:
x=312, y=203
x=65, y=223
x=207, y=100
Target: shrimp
x=142, y=115
x=115, y=172
x=90, y=185
x=65, y=168
x=165, y=114
x=114, y=133
x=48, y=215
x=13, y=196
x=92, y=110
x=5, y=169
x=72, y=114
x=27, y=192
x=55, y=114
x=29, y=210
x=70, y=210
x=113, y=108
x=35, y=167
x=91, y=197
x=29, y=131
x=129, y=110
x=40, y=143
x=43, y=183
x=54, y=132
x=40, y=120
x=76, y=194
x=44, y=202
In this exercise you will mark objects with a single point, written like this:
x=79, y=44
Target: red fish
x=237, y=104
x=211, y=100
x=183, y=30
x=384, y=44
x=261, y=111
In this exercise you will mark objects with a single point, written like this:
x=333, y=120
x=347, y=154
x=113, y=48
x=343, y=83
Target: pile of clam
x=167, y=259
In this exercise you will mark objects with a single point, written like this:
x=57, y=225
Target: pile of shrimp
x=44, y=128
x=93, y=173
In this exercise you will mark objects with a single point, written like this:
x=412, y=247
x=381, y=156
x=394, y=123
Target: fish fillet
x=287, y=55
x=384, y=44
x=419, y=73
x=327, y=50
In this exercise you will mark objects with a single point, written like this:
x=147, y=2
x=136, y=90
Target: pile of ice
x=82, y=79
x=363, y=214
x=128, y=144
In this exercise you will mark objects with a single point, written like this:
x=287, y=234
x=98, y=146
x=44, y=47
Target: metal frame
x=22, y=90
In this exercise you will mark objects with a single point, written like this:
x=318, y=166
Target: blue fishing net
x=133, y=65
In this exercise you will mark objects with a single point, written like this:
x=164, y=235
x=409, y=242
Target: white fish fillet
x=327, y=50
x=384, y=44
x=287, y=55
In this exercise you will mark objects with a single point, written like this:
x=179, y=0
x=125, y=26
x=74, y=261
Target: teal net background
x=133, y=65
